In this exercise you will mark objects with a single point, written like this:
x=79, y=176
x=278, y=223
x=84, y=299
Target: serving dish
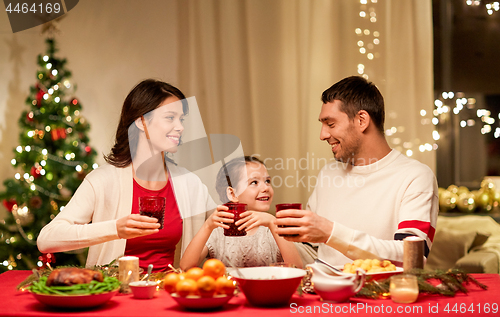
x=268, y=286
x=371, y=276
x=75, y=301
x=201, y=303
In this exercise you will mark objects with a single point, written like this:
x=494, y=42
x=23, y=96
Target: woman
x=103, y=213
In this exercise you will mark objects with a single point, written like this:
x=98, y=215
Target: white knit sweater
x=372, y=205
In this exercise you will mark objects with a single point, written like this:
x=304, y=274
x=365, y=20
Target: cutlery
x=150, y=269
x=318, y=260
x=234, y=267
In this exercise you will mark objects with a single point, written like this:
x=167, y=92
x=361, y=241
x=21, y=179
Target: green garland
x=450, y=283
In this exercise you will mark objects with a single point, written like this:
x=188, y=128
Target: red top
x=159, y=248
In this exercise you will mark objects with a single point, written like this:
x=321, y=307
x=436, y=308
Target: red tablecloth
x=477, y=303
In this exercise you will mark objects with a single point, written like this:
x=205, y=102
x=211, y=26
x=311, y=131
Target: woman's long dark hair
x=145, y=97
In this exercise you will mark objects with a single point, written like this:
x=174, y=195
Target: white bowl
x=143, y=289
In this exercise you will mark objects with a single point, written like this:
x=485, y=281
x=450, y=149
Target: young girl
x=249, y=184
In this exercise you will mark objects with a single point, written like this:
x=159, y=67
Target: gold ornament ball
x=447, y=201
x=466, y=202
x=462, y=190
x=484, y=200
x=453, y=189
x=496, y=199
x=488, y=184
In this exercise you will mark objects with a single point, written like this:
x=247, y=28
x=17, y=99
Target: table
x=477, y=303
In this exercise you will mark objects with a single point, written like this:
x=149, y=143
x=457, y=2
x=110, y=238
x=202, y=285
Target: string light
x=463, y=103
x=491, y=7
x=367, y=41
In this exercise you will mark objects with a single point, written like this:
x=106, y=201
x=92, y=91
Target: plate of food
x=374, y=269
x=74, y=288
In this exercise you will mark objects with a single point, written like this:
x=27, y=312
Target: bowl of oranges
x=201, y=288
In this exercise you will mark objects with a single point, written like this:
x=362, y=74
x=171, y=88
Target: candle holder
x=128, y=271
x=413, y=255
x=404, y=288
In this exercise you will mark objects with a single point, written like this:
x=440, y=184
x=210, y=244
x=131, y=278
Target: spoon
x=150, y=269
x=234, y=267
x=333, y=268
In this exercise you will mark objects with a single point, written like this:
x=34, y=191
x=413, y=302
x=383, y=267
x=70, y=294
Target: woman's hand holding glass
x=135, y=225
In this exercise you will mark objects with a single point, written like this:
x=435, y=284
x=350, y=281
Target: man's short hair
x=356, y=93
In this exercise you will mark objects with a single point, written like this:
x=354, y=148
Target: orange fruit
x=186, y=287
x=170, y=281
x=194, y=273
x=206, y=286
x=214, y=268
x=224, y=286
x=182, y=276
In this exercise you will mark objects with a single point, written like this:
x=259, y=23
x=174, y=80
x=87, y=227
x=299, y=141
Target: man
x=372, y=197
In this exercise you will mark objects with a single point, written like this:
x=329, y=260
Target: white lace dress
x=259, y=249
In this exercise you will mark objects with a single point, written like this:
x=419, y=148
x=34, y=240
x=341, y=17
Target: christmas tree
x=51, y=160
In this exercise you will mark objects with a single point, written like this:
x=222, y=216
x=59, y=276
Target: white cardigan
x=105, y=195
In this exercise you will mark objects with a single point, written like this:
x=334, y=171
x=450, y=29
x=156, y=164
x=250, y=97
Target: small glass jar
x=404, y=288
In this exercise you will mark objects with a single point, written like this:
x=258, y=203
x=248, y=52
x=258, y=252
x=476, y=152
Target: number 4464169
x=35, y=8
x=472, y=308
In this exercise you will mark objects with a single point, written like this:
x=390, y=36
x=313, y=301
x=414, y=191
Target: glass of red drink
x=153, y=206
x=236, y=209
x=288, y=206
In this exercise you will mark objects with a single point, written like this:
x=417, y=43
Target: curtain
x=258, y=67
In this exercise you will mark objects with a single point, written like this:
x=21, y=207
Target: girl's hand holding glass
x=135, y=225
x=220, y=217
x=253, y=219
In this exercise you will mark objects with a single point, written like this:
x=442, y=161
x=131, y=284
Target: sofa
x=468, y=242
